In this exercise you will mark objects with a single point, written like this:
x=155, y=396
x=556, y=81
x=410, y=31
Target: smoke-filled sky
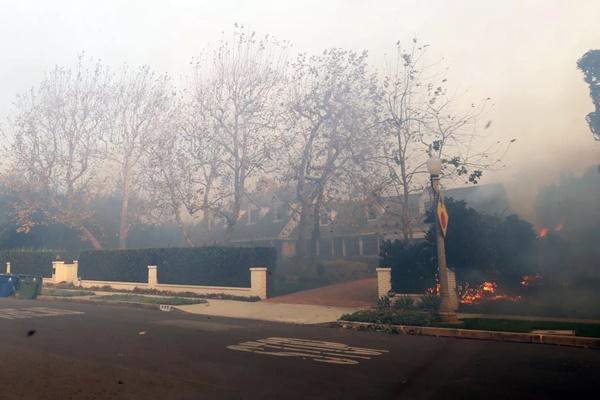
x=521, y=53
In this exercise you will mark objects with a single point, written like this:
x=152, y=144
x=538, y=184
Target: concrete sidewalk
x=279, y=312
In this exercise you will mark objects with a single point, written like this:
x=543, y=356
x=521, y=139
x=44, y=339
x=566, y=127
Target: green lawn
x=411, y=315
x=66, y=293
x=136, y=298
x=508, y=325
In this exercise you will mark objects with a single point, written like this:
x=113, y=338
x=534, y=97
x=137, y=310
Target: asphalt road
x=80, y=351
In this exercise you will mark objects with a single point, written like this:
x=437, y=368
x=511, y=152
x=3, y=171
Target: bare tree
x=140, y=107
x=198, y=133
x=331, y=108
x=54, y=147
x=419, y=117
x=182, y=167
x=169, y=177
x=240, y=83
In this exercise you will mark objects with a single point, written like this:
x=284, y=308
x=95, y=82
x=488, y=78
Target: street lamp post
x=447, y=308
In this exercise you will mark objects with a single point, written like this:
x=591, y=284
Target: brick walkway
x=360, y=293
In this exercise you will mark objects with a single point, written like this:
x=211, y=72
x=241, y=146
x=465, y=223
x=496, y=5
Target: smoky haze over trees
x=589, y=64
x=331, y=127
x=329, y=134
x=419, y=118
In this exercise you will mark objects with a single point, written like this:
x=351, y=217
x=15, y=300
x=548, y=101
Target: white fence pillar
x=8, y=268
x=58, y=272
x=384, y=281
x=152, y=276
x=258, y=281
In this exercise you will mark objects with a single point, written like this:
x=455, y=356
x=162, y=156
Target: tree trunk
x=89, y=236
x=235, y=215
x=406, y=225
x=316, y=227
x=123, y=223
x=302, y=243
x=301, y=246
x=406, y=228
x=185, y=234
x=229, y=231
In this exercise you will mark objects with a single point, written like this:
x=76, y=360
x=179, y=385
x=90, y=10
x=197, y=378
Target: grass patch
x=136, y=298
x=169, y=293
x=521, y=326
x=403, y=310
x=66, y=292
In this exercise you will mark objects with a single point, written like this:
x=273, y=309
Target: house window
x=253, y=215
x=369, y=246
x=413, y=210
x=281, y=212
x=427, y=205
x=372, y=213
x=325, y=248
x=338, y=247
x=325, y=217
x=351, y=247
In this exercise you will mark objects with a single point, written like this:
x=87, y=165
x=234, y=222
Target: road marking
x=327, y=352
x=33, y=312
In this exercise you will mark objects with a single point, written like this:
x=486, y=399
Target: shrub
x=33, y=262
x=404, y=303
x=392, y=317
x=401, y=311
x=383, y=302
x=430, y=302
x=216, y=266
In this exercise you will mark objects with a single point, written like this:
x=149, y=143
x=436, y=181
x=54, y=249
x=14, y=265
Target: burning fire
x=528, y=280
x=486, y=291
x=543, y=232
x=434, y=290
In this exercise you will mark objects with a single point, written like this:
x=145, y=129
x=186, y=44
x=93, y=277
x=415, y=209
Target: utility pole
x=447, y=308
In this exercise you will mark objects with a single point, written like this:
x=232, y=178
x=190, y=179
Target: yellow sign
x=442, y=215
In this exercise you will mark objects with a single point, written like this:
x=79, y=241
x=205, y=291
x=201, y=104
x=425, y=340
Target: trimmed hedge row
x=35, y=262
x=215, y=266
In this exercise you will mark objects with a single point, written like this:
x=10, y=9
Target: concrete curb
x=572, y=341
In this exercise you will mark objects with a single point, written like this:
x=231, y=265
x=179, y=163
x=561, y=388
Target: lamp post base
x=449, y=317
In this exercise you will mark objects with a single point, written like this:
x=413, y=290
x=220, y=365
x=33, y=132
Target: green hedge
x=215, y=266
x=32, y=262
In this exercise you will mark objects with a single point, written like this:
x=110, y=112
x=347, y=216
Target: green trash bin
x=29, y=286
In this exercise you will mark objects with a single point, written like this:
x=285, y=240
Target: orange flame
x=486, y=291
x=528, y=280
x=434, y=290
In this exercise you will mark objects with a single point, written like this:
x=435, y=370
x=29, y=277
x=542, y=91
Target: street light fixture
x=447, y=306
x=434, y=165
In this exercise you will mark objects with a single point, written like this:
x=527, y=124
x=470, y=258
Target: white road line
x=327, y=352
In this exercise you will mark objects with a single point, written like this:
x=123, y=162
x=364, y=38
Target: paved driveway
x=359, y=293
